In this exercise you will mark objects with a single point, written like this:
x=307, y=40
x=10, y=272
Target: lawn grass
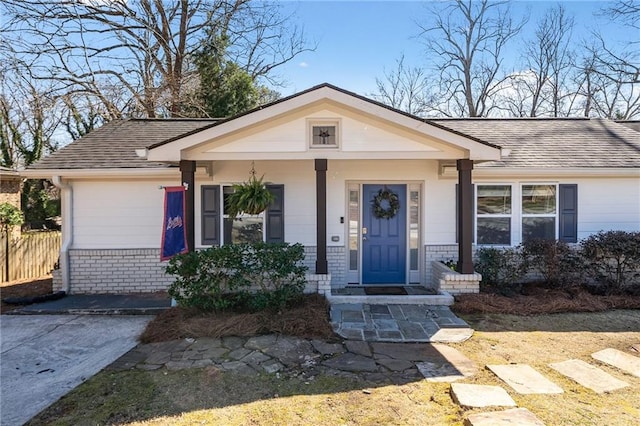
x=208, y=396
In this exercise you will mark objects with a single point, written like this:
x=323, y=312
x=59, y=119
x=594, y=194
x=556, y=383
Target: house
x=375, y=195
x=10, y=186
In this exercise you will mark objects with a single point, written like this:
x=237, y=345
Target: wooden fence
x=31, y=255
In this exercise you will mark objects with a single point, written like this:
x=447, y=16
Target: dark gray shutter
x=274, y=216
x=473, y=206
x=568, y=213
x=210, y=215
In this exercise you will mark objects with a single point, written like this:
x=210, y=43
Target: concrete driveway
x=45, y=356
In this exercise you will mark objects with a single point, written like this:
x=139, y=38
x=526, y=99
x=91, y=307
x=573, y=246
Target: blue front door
x=384, y=241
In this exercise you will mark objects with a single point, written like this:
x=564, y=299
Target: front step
x=442, y=299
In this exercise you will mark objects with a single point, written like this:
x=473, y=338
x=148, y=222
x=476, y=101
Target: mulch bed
x=24, y=288
x=539, y=301
x=308, y=319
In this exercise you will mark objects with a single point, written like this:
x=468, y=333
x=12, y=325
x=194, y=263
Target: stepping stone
x=524, y=379
x=619, y=359
x=456, y=366
x=451, y=335
x=460, y=362
x=588, y=376
x=510, y=417
x=480, y=396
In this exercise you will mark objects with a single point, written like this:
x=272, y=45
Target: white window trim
x=525, y=215
x=315, y=122
x=477, y=185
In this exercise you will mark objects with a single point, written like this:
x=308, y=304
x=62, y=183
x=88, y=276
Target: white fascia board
x=330, y=155
x=100, y=173
x=583, y=172
x=172, y=151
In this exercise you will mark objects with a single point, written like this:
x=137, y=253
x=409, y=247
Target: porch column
x=322, y=266
x=188, y=171
x=465, y=217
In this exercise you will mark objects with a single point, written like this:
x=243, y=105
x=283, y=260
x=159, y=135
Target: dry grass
x=308, y=319
x=198, y=396
x=23, y=288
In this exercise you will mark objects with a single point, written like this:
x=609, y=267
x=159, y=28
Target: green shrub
x=613, y=260
x=501, y=269
x=556, y=261
x=238, y=276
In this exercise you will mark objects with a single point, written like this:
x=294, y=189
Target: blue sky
x=358, y=40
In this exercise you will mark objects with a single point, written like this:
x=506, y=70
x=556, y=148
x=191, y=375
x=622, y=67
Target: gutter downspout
x=67, y=230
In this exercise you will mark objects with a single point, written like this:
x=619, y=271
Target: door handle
x=364, y=238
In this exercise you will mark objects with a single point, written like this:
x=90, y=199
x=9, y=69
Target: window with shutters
x=242, y=229
x=493, y=214
x=539, y=212
x=218, y=228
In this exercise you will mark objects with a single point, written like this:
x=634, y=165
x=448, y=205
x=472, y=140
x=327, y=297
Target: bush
x=556, y=261
x=613, y=259
x=501, y=269
x=238, y=276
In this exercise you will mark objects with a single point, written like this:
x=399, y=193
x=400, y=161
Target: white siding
x=118, y=213
x=608, y=204
x=128, y=213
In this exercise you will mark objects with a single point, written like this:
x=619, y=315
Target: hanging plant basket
x=251, y=197
x=385, y=204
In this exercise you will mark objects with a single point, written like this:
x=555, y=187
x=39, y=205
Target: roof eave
x=100, y=172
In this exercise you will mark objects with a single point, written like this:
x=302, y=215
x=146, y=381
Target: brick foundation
x=117, y=271
x=454, y=282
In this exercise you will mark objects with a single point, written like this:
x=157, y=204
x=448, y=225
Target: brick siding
x=117, y=271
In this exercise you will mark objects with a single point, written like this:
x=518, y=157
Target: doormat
x=385, y=291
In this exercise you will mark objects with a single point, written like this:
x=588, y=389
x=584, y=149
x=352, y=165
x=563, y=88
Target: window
x=267, y=226
x=354, y=227
x=242, y=229
x=493, y=209
x=324, y=133
x=538, y=212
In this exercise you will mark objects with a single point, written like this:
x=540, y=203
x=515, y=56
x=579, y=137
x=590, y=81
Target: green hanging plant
x=251, y=197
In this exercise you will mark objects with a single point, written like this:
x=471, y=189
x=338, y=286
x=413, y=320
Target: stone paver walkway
x=374, y=361
x=526, y=380
x=398, y=323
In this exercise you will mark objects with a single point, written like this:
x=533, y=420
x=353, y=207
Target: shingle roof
x=534, y=142
x=113, y=145
x=555, y=143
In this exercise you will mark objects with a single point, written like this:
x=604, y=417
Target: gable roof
x=330, y=97
x=533, y=142
x=555, y=142
x=113, y=145
x=316, y=88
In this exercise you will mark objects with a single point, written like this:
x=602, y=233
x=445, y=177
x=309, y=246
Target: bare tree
x=404, y=88
x=550, y=59
x=466, y=44
x=621, y=61
x=134, y=57
x=29, y=118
